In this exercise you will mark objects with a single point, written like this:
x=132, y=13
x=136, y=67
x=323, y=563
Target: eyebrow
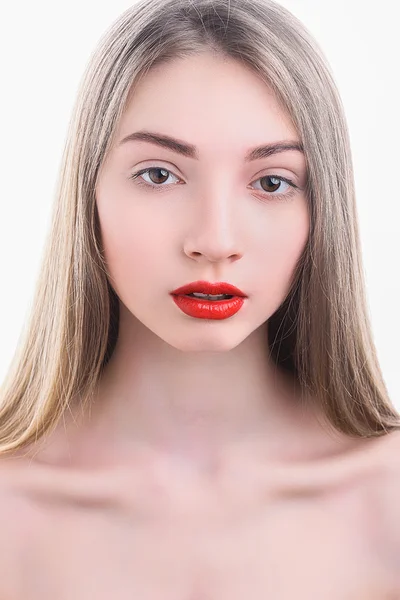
x=190, y=151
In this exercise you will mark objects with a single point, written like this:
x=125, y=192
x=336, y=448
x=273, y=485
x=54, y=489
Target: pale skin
x=198, y=474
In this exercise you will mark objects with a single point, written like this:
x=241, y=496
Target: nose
x=215, y=236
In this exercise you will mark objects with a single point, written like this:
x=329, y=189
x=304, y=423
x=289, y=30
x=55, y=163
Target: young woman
x=197, y=408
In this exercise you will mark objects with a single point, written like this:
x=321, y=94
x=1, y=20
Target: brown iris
x=158, y=170
x=274, y=185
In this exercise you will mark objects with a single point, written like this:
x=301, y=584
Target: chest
x=289, y=548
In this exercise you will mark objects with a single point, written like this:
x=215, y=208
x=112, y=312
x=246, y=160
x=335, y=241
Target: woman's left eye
x=273, y=181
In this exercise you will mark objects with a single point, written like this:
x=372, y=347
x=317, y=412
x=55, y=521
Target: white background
x=44, y=47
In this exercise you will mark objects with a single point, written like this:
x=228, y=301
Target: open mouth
x=209, y=296
x=210, y=291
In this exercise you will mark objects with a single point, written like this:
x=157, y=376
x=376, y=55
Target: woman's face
x=204, y=214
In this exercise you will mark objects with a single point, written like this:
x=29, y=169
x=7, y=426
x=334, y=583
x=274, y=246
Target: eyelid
x=161, y=165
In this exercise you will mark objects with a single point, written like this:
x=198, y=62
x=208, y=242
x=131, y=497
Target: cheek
x=280, y=248
x=133, y=244
x=288, y=241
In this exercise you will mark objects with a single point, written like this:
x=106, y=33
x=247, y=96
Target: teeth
x=209, y=296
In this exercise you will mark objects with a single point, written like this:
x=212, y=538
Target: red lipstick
x=206, y=307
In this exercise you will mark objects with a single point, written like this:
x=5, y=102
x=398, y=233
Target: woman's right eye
x=160, y=173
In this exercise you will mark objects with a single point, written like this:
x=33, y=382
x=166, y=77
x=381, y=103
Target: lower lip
x=209, y=309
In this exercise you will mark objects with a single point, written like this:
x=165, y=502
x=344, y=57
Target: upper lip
x=205, y=287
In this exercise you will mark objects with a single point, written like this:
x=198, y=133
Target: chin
x=206, y=340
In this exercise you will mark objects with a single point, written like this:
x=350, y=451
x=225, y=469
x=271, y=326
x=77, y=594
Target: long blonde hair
x=321, y=334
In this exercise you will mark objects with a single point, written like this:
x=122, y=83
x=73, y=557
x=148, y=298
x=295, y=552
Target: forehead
x=218, y=102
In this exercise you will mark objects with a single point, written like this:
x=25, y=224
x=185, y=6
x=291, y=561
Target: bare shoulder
x=11, y=499
x=9, y=472
x=12, y=525
x=388, y=488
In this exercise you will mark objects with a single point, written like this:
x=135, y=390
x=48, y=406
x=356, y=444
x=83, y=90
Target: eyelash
x=159, y=187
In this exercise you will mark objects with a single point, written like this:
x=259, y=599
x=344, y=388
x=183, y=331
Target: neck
x=193, y=405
